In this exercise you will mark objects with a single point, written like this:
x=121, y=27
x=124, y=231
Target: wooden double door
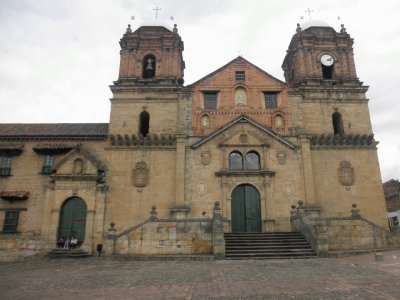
x=246, y=209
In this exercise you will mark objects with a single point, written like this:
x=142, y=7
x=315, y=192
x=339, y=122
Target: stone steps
x=275, y=245
x=67, y=253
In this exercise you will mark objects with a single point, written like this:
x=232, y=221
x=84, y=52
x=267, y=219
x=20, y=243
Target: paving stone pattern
x=98, y=278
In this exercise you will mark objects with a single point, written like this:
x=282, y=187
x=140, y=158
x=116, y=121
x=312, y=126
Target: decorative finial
x=343, y=29
x=298, y=29
x=129, y=30
x=175, y=30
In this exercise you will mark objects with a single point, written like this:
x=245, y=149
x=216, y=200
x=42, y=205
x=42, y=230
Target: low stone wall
x=12, y=248
x=357, y=234
x=336, y=234
x=170, y=236
x=161, y=237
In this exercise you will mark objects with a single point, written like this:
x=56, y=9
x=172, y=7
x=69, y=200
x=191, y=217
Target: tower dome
x=314, y=23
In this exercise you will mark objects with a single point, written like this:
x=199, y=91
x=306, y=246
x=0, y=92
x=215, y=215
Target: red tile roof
x=54, y=130
x=14, y=195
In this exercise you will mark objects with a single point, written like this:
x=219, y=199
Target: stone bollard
x=378, y=257
x=153, y=214
x=111, y=238
x=355, y=212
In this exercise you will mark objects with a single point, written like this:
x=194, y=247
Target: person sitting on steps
x=74, y=242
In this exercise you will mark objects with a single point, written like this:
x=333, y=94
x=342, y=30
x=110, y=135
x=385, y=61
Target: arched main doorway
x=246, y=209
x=73, y=219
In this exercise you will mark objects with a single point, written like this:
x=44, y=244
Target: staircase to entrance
x=271, y=245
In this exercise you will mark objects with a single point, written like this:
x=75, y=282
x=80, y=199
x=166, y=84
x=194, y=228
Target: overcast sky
x=57, y=58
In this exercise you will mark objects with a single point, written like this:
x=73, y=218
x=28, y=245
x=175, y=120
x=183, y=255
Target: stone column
x=180, y=210
x=218, y=233
x=307, y=170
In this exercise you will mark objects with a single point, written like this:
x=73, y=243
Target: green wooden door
x=246, y=211
x=73, y=219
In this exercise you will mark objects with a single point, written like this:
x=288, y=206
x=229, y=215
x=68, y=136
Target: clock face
x=327, y=60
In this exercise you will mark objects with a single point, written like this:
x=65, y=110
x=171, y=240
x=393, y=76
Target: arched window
x=252, y=160
x=235, y=161
x=337, y=123
x=149, y=66
x=144, y=123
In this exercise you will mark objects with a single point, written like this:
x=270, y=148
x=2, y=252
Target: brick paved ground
x=96, y=278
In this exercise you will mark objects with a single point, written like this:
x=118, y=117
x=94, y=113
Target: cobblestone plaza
x=357, y=277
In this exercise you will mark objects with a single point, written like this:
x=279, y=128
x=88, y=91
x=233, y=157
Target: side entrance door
x=246, y=210
x=73, y=219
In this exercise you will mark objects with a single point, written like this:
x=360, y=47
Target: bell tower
x=151, y=54
x=320, y=70
x=316, y=53
x=147, y=96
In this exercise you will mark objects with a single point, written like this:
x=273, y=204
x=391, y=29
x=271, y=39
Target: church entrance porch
x=73, y=220
x=246, y=209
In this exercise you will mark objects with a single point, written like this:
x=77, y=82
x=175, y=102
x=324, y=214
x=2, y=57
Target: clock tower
x=320, y=70
x=318, y=53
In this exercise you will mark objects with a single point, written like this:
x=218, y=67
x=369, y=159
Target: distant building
x=391, y=190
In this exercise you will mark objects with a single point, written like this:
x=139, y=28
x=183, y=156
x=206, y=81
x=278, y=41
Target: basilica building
x=180, y=168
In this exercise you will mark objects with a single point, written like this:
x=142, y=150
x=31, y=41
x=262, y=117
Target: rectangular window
x=240, y=76
x=48, y=164
x=210, y=100
x=11, y=221
x=271, y=99
x=5, y=165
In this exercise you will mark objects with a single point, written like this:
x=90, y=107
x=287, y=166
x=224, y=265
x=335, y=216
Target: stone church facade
x=276, y=157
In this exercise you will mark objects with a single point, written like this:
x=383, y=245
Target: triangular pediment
x=227, y=136
x=80, y=162
x=222, y=74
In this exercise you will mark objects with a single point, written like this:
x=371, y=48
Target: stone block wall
x=168, y=237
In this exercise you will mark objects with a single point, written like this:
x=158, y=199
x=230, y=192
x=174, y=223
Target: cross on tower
x=157, y=9
x=309, y=11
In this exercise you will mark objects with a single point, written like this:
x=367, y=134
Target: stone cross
x=309, y=11
x=157, y=9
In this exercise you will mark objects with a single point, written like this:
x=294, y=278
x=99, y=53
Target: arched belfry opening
x=144, y=123
x=327, y=72
x=337, y=122
x=149, y=66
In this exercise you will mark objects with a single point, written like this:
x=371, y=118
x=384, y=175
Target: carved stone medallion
x=346, y=173
x=206, y=157
x=288, y=188
x=202, y=188
x=281, y=157
x=140, y=174
x=243, y=138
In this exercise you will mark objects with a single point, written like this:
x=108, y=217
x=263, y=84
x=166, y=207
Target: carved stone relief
x=140, y=174
x=288, y=188
x=281, y=156
x=206, y=157
x=243, y=138
x=201, y=188
x=346, y=173
x=78, y=166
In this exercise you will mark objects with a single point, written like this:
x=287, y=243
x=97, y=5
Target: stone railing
x=340, y=234
x=156, y=236
x=343, y=141
x=151, y=140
